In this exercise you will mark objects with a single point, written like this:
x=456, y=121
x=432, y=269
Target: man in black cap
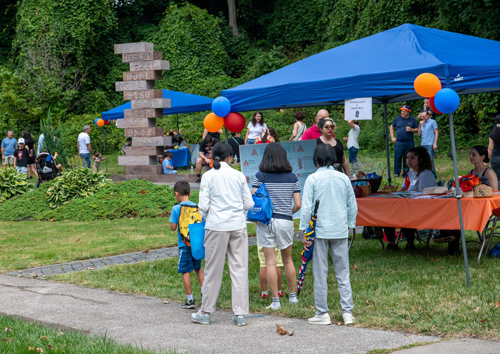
x=406, y=126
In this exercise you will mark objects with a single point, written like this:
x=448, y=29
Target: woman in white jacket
x=224, y=199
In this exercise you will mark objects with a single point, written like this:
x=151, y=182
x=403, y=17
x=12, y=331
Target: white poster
x=358, y=108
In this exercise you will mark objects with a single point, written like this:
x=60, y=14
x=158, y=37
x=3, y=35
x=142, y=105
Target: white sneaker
x=274, y=307
x=348, y=318
x=323, y=319
x=294, y=300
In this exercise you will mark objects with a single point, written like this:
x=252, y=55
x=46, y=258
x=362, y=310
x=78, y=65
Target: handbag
x=197, y=236
x=262, y=210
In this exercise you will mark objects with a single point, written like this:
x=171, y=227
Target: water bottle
x=191, y=169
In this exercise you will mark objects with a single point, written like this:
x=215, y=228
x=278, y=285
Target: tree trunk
x=232, y=17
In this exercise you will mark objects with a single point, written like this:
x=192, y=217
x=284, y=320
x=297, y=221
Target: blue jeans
x=431, y=152
x=353, y=154
x=400, y=151
x=86, y=160
x=250, y=141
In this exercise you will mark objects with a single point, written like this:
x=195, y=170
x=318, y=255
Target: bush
x=27, y=205
x=74, y=184
x=12, y=183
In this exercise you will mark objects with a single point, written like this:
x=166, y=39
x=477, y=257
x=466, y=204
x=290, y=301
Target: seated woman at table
x=421, y=176
x=326, y=127
x=478, y=156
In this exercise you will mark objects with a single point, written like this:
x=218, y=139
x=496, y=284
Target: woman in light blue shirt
x=337, y=212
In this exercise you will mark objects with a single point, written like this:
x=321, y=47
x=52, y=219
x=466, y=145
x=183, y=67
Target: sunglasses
x=329, y=126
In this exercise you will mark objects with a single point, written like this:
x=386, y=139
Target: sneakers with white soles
x=197, y=317
x=323, y=319
x=274, y=307
x=348, y=318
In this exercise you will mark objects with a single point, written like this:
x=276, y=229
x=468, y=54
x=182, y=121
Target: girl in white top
x=352, y=140
x=299, y=126
x=255, y=128
x=224, y=199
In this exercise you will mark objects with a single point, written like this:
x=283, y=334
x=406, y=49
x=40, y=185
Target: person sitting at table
x=327, y=127
x=478, y=156
x=420, y=176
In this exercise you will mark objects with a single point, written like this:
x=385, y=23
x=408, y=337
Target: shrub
x=12, y=183
x=74, y=184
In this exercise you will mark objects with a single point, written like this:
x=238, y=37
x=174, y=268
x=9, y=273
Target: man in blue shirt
x=405, y=126
x=428, y=130
x=9, y=145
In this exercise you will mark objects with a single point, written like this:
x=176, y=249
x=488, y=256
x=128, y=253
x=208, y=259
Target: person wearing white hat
x=21, y=157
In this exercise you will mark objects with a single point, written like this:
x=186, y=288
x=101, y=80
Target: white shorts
x=279, y=232
x=8, y=160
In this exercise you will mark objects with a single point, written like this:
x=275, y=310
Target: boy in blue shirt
x=168, y=169
x=183, y=214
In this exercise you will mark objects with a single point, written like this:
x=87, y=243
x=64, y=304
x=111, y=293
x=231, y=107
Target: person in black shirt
x=215, y=135
x=235, y=141
x=205, y=158
x=21, y=157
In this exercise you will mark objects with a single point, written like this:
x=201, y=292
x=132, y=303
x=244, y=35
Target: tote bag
x=263, y=208
x=197, y=235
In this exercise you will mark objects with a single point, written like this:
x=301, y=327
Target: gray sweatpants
x=340, y=255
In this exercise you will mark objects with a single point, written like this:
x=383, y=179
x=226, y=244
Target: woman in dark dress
x=326, y=125
x=494, y=146
x=32, y=156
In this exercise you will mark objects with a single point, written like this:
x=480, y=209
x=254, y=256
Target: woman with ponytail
x=224, y=199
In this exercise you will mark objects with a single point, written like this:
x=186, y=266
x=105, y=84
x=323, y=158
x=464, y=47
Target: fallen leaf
x=442, y=267
x=90, y=268
x=44, y=337
x=311, y=306
x=60, y=334
x=40, y=350
x=146, y=251
x=281, y=330
x=476, y=309
x=438, y=260
x=5, y=339
x=144, y=192
x=111, y=193
x=78, y=239
x=52, y=220
x=49, y=346
x=483, y=320
x=31, y=348
x=291, y=334
x=340, y=323
x=497, y=304
x=355, y=266
x=368, y=303
x=7, y=329
x=166, y=302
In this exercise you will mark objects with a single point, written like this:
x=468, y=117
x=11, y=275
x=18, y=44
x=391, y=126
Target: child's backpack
x=189, y=214
x=263, y=209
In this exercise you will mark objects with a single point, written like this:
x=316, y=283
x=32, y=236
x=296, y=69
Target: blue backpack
x=262, y=211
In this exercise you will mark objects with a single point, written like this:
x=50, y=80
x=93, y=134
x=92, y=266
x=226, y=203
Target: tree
x=231, y=7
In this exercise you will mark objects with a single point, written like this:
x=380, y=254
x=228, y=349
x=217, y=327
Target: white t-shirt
x=255, y=131
x=353, y=136
x=83, y=140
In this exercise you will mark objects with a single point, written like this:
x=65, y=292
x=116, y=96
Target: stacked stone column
x=138, y=85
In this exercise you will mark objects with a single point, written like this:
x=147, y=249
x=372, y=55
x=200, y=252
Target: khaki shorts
x=278, y=233
x=8, y=160
x=262, y=260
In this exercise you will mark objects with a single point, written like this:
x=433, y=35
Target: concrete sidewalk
x=148, y=322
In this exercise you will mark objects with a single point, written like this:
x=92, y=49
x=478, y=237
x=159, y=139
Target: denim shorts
x=250, y=141
x=187, y=263
x=21, y=169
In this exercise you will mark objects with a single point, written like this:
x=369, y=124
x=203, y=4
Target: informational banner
x=299, y=154
x=358, y=109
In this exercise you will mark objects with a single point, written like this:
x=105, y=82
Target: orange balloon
x=100, y=122
x=427, y=85
x=213, y=123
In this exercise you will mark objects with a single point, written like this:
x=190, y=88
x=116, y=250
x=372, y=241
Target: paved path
x=148, y=322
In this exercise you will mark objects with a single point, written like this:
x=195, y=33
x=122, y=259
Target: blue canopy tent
x=382, y=66
x=181, y=103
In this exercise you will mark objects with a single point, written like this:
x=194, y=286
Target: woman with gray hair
x=326, y=127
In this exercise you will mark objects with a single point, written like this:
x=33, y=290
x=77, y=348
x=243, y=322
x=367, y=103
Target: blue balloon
x=446, y=100
x=95, y=120
x=221, y=106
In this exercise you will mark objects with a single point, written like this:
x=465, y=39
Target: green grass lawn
x=29, y=244
x=424, y=292
x=20, y=337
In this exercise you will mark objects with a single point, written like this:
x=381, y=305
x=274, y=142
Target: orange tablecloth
x=439, y=214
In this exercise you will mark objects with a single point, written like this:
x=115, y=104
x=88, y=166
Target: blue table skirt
x=180, y=157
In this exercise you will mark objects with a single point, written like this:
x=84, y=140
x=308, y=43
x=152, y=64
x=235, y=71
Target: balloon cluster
x=441, y=100
x=222, y=115
x=100, y=122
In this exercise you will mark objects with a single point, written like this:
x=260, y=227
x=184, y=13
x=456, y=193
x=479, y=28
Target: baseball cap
x=20, y=141
x=406, y=108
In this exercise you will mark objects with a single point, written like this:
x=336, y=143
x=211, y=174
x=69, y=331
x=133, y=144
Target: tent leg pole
x=177, y=118
x=459, y=198
x=387, y=144
x=104, y=141
x=225, y=131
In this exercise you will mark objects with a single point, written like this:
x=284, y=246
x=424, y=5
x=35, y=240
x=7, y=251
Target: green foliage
x=54, y=139
x=12, y=183
x=27, y=205
x=74, y=184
